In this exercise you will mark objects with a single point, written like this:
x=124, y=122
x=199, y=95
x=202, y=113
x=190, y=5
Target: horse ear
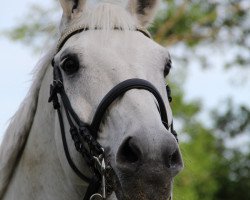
x=144, y=10
x=71, y=8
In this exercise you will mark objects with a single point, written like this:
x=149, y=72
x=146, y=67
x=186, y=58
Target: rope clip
x=101, y=166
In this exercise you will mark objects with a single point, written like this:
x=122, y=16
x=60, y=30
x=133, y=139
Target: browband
x=80, y=29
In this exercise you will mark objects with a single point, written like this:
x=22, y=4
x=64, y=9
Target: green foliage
x=233, y=121
x=213, y=171
x=197, y=181
x=186, y=21
x=36, y=28
x=198, y=147
x=182, y=110
x=212, y=22
x=234, y=168
x=234, y=173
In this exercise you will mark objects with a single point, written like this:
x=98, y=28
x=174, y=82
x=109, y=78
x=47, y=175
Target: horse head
x=100, y=48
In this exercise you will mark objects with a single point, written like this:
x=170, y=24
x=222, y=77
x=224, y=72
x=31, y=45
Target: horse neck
x=40, y=172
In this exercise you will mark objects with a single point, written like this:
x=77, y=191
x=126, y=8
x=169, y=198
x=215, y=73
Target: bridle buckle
x=101, y=166
x=96, y=196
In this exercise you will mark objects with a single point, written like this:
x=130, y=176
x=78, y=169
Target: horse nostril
x=174, y=161
x=174, y=158
x=128, y=153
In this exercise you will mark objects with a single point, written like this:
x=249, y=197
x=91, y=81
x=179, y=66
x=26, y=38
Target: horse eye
x=167, y=67
x=70, y=65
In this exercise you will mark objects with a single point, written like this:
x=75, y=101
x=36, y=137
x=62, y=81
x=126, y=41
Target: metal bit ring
x=96, y=197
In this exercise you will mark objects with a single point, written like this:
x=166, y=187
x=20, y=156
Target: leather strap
x=118, y=91
x=79, y=29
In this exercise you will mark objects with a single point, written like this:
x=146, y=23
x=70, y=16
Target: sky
x=17, y=62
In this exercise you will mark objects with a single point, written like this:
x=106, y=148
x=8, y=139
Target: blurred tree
x=219, y=24
x=198, y=147
x=209, y=24
x=37, y=28
x=213, y=170
x=233, y=173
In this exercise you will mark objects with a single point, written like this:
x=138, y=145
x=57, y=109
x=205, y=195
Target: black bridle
x=84, y=135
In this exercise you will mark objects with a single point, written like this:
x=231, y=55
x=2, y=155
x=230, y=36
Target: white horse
x=111, y=47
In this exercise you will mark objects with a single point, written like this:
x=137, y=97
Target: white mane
x=18, y=130
x=105, y=16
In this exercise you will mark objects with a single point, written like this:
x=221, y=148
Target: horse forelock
x=105, y=16
x=20, y=124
